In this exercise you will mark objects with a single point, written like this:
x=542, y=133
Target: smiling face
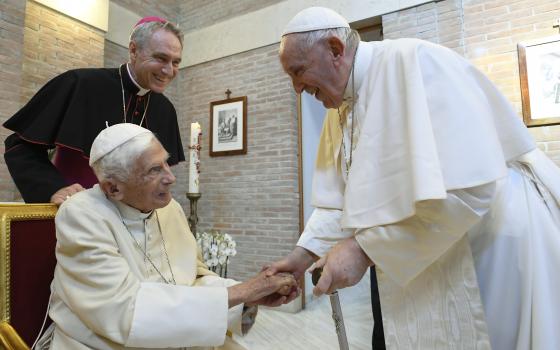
x=320, y=71
x=149, y=185
x=156, y=64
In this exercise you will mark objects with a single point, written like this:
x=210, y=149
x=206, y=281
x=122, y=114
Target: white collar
x=131, y=214
x=361, y=65
x=141, y=91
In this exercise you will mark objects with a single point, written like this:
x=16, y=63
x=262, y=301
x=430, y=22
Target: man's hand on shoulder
x=66, y=192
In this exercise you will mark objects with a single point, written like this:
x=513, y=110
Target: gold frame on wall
x=8, y=213
x=539, y=75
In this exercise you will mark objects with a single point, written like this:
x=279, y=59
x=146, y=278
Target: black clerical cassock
x=68, y=113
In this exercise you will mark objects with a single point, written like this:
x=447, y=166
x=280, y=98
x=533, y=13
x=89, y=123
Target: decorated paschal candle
x=194, y=158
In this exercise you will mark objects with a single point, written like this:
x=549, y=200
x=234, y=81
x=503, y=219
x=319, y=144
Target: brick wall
x=254, y=196
x=196, y=14
x=41, y=44
x=492, y=46
x=114, y=54
x=12, y=17
x=486, y=32
x=54, y=43
x=439, y=22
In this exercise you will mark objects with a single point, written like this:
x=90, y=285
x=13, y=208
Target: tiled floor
x=313, y=328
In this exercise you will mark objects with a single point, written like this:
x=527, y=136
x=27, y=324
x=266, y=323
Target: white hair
x=119, y=163
x=306, y=40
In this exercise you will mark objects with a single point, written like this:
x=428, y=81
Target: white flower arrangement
x=216, y=248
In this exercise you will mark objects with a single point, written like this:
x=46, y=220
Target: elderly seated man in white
x=128, y=273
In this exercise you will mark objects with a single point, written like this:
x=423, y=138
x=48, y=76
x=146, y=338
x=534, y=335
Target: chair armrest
x=9, y=339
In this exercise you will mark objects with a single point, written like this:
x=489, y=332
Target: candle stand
x=193, y=217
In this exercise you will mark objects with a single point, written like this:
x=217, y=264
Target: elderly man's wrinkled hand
x=295, y=263
x=343, y=266
x=277, y=299
x=66, y=192
x=267, y=290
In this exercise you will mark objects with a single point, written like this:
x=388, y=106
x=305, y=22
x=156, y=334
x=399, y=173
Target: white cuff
x=168, y=316
x=322, y=231
x=234, y=313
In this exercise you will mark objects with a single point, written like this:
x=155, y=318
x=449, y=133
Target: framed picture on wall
x=539, y=72
x=228, y=127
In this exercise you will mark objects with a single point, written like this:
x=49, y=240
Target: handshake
x=276, y=284
x=265, y=289
x=343, y=266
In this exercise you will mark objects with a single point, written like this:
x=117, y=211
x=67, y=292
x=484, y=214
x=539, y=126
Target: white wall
x=92, y=12
x=121, y=22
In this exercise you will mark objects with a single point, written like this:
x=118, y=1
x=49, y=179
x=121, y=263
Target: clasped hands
x=264, y=289
x=343, y=266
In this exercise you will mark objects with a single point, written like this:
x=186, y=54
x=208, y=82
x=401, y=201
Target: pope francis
x=425, y=171
x=128, y=274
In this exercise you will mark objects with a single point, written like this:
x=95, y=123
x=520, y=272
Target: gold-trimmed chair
x=27, y=261
x=9, y=339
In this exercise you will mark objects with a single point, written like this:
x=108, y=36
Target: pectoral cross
x=557, y=25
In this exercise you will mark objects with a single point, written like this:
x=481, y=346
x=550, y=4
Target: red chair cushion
x=32, y=253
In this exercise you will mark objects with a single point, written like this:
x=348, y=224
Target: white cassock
x=107, y=295
x=450, y=199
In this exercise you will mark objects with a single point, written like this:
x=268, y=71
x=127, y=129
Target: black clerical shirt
x=69, y=112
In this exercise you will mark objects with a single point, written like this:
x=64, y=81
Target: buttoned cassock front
x=107, y=294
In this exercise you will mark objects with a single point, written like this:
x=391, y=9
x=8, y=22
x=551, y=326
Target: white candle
x=194, y=158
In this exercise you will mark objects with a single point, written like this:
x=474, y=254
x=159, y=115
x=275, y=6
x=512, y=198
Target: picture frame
x=539, y=74
x=228, y=127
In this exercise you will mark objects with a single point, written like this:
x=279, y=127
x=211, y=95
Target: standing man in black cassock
x=71, y=109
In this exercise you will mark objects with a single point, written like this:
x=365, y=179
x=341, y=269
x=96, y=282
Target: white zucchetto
x=315, y=18
x=112, y=137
